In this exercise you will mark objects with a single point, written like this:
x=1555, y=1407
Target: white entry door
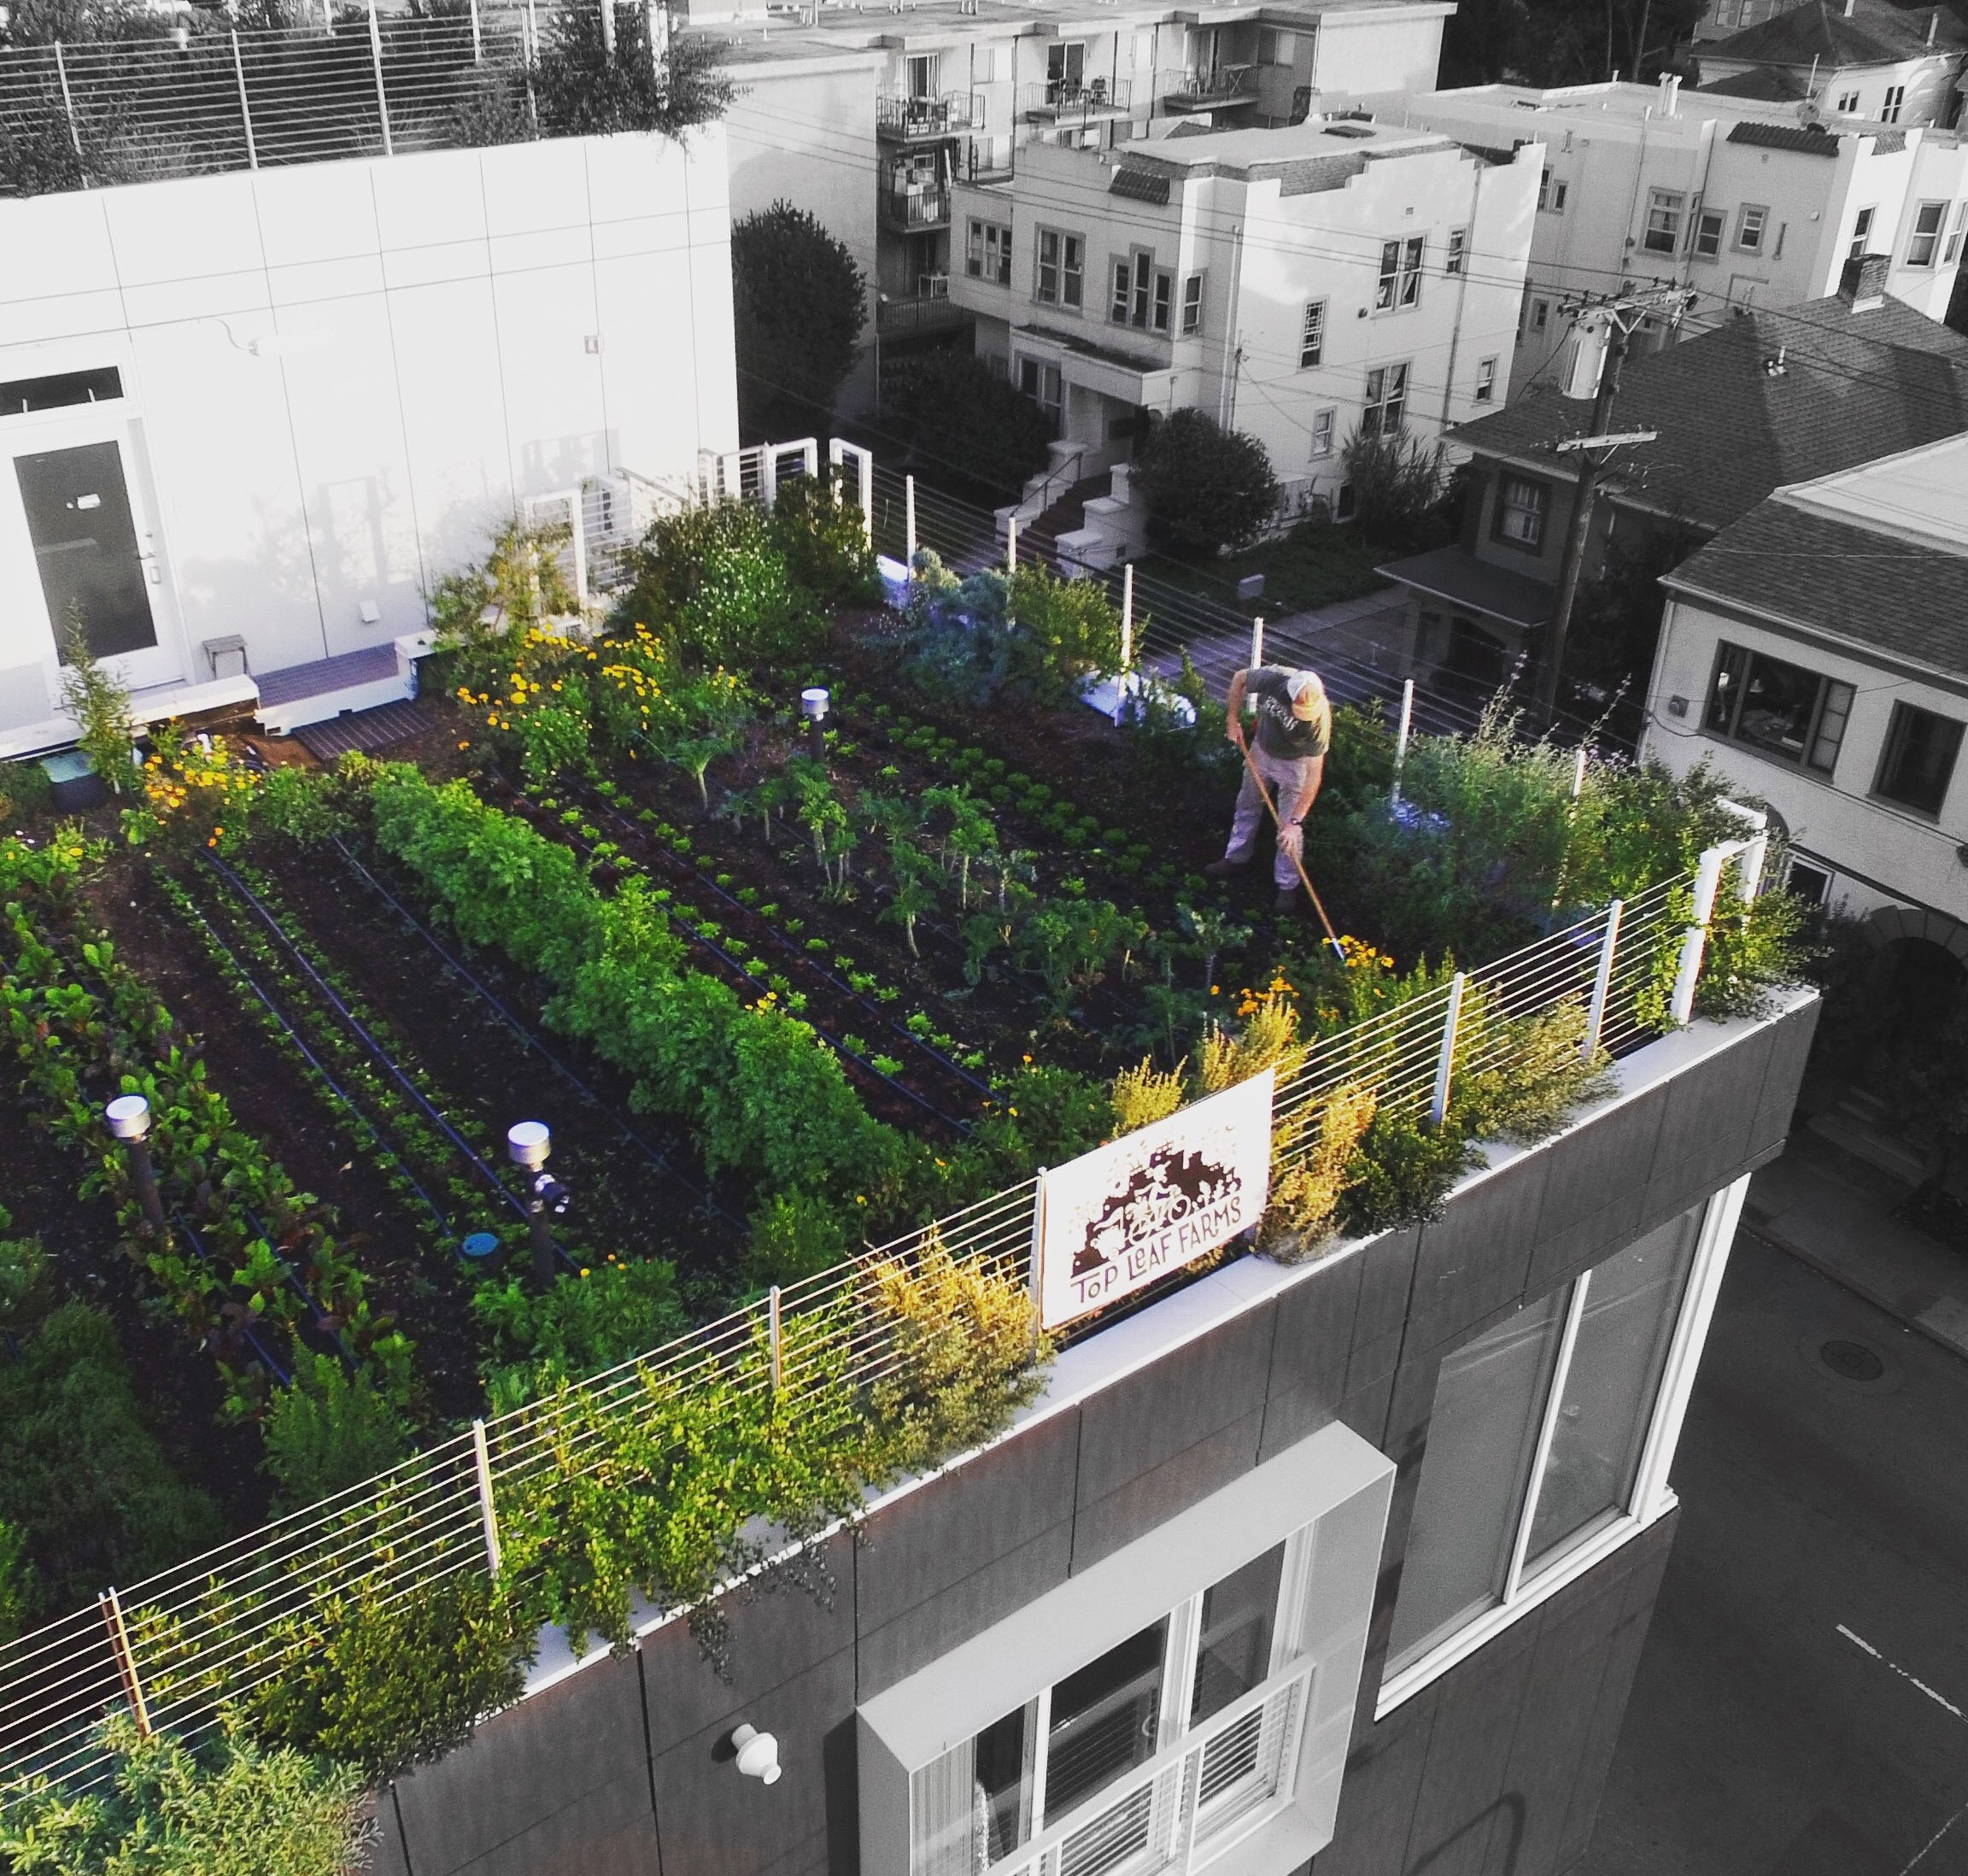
x=75, y=523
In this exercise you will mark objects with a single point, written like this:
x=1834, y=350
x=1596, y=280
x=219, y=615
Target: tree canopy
x=799, y=303
x=1206, y=487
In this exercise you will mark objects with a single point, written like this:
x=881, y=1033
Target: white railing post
x=909, y=522
x=1445, y=1061
x=775, y=1339
x=1578, y=773
x=1401, y=738
x=488, y=1508
x=1754, y=857
x=382, y=96
x=245, y=109
x=112, y=1607
x=1012, y=545
x=1127, y=617
x=1257, y=642
x=1601, y=981
x=532, y=35
x=328, y=17
x=478, y=38
x=1688, y=974
x=68, y=100
x=768, y=462
x=608, y=30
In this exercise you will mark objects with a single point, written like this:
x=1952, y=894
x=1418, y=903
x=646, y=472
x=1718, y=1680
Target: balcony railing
x=907, y=119
x=911, y=210
x=1053, y=101
x=1203, y=90
x=929, y=310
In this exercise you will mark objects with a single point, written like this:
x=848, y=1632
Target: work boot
x=1290, y=899
x=1224, y=869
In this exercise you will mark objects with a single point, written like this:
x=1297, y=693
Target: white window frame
x=1710, y=226
x=1312, y=336
x=1956, y=230
x=1667, y=210
x=1068, y=266
x=1193, y=290
x=1752, y=226
x=1485, y=381
x=1324, y=423
x=1458, y=250
x=1923, y=244
x=987, y=251
x=1551, y=193
x=1389, y=387
x=1652, y=1498
x=1540, y=315
x=1861, y=229
x=1889, y=110
x=1847, y=103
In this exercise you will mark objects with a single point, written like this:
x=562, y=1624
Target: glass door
x=93, y=548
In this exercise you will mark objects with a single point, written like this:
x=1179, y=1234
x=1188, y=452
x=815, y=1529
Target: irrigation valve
x=129, y=1119
x=758, y=1752
x=813, y=706
x=529, y=1143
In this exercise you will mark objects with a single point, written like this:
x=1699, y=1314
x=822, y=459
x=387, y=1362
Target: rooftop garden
x=786, y=994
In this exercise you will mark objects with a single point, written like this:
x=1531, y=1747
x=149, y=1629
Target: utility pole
x=1603, y=323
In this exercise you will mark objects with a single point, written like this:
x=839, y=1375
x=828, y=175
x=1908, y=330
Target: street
x=1799, y=1707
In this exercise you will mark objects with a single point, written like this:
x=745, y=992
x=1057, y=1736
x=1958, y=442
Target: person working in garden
x=1294, y=731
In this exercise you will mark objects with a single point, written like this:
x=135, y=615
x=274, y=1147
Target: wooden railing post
x=112, y=1607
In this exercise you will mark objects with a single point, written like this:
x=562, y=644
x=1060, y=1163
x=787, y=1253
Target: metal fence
x=173, y=1648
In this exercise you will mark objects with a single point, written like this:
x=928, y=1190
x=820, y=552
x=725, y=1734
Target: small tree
x=799, y=303
x=1207, y=487
x=953, y=408
x=100, y=706
x=1398, y=485
x=328, y=1430
x=583, y=91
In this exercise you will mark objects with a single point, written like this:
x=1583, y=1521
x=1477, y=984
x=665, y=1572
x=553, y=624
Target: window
x=1142, y=295
x=1540, y=315
x=1781, y=709
x=1124, y=293
x=1065, y=66
x=1275, y=47
x=1847, y=103
x=1458, y=250
x=1322, y=422
x=1062, y=268
x=1920, y=759
x=20, y=395
x=1193, y=306
x=1537, y=1437
x=1751, y=221
x=1926, y=242
x=1956, y=230
x=1386, y=401
x=1663, y=235
x=925, y=70
x=1708, y=226
x=1521, y=505
x=1073, y=1744
x=1808, y=883
x=1485, y=380
x=1551, y=194
x=1158, y=313
x=1861, y=233
x=1312, y=335
x=1042, y=384
x=987, y=252
x=1400, y=274
x=1895, y=96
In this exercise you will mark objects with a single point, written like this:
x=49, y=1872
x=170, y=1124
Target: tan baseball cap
x=1307, y=693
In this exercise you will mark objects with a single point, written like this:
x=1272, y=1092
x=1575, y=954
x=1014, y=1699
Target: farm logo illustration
x=1120, y=1216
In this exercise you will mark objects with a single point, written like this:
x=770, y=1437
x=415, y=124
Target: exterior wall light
x=758, y=1752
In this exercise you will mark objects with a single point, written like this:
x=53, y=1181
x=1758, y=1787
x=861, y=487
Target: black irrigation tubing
x=300, y=1289
x=655, y=1156
x=279, y=1373
x=314, y=1062
x=807, y=958
x=357, y=1028
x=750, y=975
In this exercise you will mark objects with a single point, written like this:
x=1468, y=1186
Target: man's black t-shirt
x=1280, y=733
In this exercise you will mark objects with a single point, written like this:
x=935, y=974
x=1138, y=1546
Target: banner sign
x=1118, y=1217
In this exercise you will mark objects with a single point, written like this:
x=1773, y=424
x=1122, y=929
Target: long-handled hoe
x=1298, y=860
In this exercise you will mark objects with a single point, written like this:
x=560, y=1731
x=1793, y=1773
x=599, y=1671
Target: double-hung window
x=1061, y=271
x=1551, y=194
x=1925, y=242
x=1847, y=104
x=1861, y=233
x=1708, y=226
x=1548, y=1434
x=1193, y=306
x=1144, y=295
x=1956, y=230
x=1752, y=222
x=1665, y=208
x=1458, y=250
x=1312, y=335
x=1386, y=405
x=1400, y=282
x=1521, y=508
x=1322, y=422
x=987, y=252
x=1161, y=305
x=1919, y=760
x=1485, y=380
x=1895, y=96
x=1781, y=709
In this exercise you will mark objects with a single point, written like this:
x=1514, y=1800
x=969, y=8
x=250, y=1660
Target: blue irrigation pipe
x=656, y=1157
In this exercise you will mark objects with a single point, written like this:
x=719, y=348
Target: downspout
x=1463, y=286
x=1700, y=201
x=1632, y=240
x=1233, y=341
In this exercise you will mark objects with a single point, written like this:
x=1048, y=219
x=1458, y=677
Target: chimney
x=1670, y=93
x=1863, y=284
x=1850, y=5
x=1933, y=24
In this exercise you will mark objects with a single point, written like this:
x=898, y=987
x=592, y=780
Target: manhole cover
x=1853, y=1361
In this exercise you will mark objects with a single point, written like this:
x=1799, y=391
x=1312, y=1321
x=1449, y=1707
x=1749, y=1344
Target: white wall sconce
x=758, y=1754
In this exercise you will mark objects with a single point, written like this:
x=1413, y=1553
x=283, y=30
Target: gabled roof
x=1775, y=84
x=1874, y=32
x=1873, y=591
x=1854, y=386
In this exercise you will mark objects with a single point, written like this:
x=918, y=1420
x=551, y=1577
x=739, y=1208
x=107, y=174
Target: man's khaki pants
x=1285, y=779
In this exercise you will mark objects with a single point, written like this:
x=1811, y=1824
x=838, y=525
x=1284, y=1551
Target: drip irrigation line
x=300, y=1289
x=283, y=1375
x=655, y=1156
x=314, y=1062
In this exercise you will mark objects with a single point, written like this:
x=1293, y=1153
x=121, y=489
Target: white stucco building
x=1735, y=197
x=250, y=418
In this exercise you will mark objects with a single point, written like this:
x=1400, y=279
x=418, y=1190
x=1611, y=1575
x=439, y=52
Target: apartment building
x=869, y=118
x=1866, y=58
x=1299, y=283
x=1734, y=198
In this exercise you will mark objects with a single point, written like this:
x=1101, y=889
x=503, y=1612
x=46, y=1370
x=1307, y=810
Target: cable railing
x=197, y=99
x=178, y=1646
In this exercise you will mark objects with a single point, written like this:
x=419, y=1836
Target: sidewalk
x=1830, y=1208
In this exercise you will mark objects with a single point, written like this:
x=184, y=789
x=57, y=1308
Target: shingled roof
x=1876, y=32
x=1853, y=387
x=1870, y=589
x=1774, y=83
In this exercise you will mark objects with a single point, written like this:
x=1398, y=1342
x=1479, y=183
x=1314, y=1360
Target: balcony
x=1217, y=90
x=903, y=119
x=929, y=310
x=914, y=207
x=1068, y=105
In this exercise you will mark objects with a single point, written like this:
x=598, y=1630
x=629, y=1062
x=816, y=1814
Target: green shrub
x=799, y=304
x=818, y=528
x=1398, y=484
x=1401, y=1172
x=950, y=404
x=24, y=790
x=715, y=580
x=1206, y=487
x=16, y=1582
x=584, y=1324
x=327, y=1430
x=225, y=1809
x=795, y=1235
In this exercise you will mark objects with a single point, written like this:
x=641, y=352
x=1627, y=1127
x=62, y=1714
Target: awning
x=1456, y=577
